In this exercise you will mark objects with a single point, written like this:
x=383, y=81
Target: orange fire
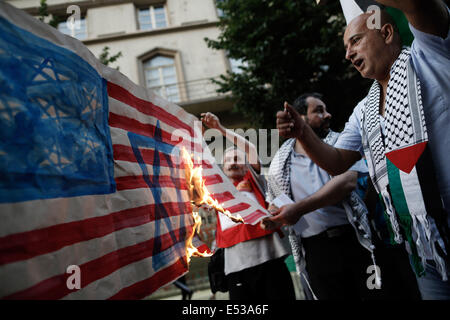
x=191, y=250
x=200, y=197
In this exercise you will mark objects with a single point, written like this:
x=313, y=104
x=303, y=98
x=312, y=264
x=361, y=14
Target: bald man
x=403, y=128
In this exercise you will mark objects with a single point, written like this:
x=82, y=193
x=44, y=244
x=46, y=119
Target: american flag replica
x=91, y=178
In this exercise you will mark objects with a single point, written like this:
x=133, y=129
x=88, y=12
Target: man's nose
x=349, y=53
x=327, y=115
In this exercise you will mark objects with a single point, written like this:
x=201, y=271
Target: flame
x=198, y=192
x=200, y=197
x=191, y=250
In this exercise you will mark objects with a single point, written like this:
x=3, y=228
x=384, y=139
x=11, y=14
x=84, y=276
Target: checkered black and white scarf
x=397, y=158
x=405, y=122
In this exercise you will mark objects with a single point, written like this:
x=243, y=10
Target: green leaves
x=43, y=13
x=43, y=10
x=105, y=57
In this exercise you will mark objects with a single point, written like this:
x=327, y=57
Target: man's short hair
x=300, y=103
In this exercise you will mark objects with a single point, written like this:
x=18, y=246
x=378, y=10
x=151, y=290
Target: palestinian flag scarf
x=401, y=166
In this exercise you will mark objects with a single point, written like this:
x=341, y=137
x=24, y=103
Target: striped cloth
x=90, y=173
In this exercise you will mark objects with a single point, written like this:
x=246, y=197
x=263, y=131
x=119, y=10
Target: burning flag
x=198, y=193
x=92, y=183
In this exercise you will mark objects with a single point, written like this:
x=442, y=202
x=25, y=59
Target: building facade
x=162, y=45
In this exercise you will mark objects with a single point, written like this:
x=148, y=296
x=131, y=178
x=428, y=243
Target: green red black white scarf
x=400, y=163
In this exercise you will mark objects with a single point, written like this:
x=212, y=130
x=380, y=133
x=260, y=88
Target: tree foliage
x=43, y=10
x=288, y=47
x=106, y=58
x=43, y=13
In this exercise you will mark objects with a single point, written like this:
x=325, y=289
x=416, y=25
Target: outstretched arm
x=429, y=16
x=334, y=191
x=212, y=121
x=335, y=161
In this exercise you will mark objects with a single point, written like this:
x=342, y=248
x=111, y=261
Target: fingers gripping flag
x=90, y=173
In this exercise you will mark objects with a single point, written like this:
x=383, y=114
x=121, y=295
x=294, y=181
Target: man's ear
x=387, y=32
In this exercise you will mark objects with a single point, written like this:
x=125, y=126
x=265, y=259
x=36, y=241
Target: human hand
x=244, y=186
x=210, y=120
x=286, y=215
x=289, y=122
x=272, y=208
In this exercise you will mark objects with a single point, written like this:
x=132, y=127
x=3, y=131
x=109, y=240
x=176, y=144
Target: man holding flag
x=254, y=257
x=402, y=127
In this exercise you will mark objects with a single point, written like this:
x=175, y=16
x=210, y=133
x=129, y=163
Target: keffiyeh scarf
x=400, y=163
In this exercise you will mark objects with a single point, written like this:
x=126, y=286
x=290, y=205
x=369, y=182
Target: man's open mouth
x=358, y=63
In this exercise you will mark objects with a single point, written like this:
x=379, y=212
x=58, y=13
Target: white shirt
x=306, y=179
